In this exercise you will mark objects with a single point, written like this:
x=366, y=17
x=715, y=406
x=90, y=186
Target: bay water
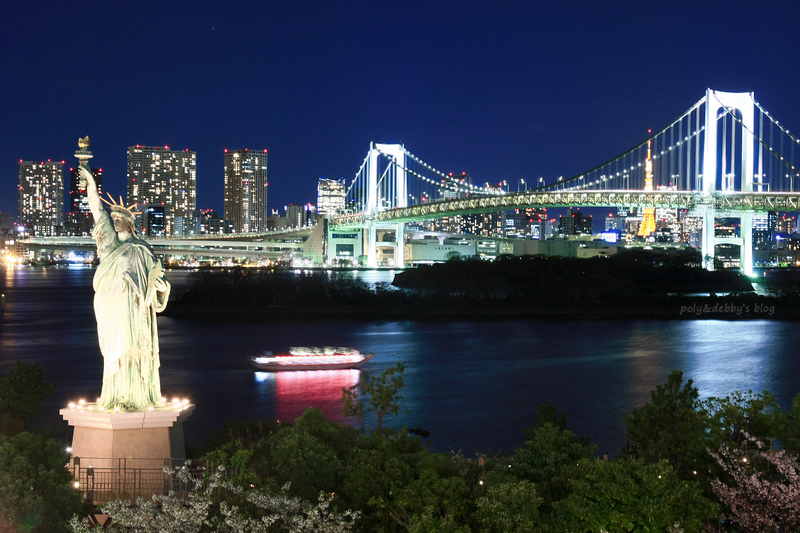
x=474, y=385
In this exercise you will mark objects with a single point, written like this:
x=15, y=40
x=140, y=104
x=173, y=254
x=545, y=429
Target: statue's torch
x=84, y=155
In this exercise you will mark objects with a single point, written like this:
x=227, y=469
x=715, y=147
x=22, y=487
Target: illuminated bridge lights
x=728, y=201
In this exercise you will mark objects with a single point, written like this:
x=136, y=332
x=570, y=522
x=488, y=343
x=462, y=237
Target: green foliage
x=22, y=392
x=672, y=425
x=740, y=414
x=627, y=495
x=509, y=506
x=352, y=404
x=549, y=448
x=431, y=503
x=787, y=427
x=306, y=462
x=383, y=393
x=36, y=492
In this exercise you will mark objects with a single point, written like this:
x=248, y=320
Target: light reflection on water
x=473, y=385
x=294, y=392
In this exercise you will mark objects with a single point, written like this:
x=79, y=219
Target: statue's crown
x=119, y=209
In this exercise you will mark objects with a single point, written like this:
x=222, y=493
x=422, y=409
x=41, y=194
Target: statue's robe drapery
x=130, y=288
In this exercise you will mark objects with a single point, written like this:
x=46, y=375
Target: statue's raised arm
x=92, y=194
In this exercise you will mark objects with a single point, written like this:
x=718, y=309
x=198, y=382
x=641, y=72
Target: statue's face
x=121, y=224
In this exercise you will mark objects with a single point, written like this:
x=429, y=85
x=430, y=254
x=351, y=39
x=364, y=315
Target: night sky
x=501, y=90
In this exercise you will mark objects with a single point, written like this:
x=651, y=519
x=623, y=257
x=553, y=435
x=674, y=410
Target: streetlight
x=541, y=182
x=522, y=182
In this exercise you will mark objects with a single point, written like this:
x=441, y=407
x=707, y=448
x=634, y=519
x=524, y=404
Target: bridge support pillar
x=399, y=255
x=709, y=240
x=372, y=245
x=746, y=258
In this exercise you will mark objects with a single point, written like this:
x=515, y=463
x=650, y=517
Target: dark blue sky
x=502, y=90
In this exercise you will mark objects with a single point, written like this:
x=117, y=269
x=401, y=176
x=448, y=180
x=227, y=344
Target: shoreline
x=736, y=307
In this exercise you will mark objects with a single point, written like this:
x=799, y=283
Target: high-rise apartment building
x=246, y=190
x=330, y=196
x=79, y=218
x=40, y=197
x=160, y=177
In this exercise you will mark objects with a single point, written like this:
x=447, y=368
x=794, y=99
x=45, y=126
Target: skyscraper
x=79, y=218
x=246, y=190
x=330, y=196
x=160, y=177
x=40, y=197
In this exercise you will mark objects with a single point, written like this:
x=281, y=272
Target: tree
x=22, y=392
x=310, y=455
x=36, y=491
x=758, y=500
x=510, y=506
x=550, y=447
x=671, y=426
x=741, y=413
x=353, y=405
x=383, y=392
x=628, y=495
x=787, y=427
x=431, y=503
x=202, y=510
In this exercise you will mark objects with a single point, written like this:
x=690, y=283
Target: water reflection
x=725, y=356
x=294, y=392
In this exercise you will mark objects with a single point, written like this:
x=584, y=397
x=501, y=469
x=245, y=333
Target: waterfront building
x=784, y=225
x=615, y=222
x=210, y=223
x=246, y=190
x=544, y=229
x=276, y=222
x=762, y=236
x=575, y=223
x=40, y=197
x=160, y=176
x=330, y=196
x=187, y=225
x=154, y=220
x=300, y=215
x=79, y=219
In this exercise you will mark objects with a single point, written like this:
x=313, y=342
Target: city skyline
x=505, y=91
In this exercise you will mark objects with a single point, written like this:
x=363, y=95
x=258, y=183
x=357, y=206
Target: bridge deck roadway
x=719, y=201
x=271, y=244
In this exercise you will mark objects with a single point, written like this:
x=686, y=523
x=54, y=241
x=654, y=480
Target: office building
x=575, y=223
x=40, y=197
x=246, y=190
x=79, y=219
x=158, y=176
x=300, y=216
x=330, y=196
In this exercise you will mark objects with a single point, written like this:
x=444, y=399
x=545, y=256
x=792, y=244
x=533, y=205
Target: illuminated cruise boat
x=312, y=358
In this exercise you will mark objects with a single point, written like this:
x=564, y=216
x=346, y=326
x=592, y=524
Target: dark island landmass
x=631, y=284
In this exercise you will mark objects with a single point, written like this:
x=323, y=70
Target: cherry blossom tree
x=765, y=492
x=203, y=510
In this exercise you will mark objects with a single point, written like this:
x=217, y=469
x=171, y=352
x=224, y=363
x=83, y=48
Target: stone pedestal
x=123, y=454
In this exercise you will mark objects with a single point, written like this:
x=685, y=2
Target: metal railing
x=101, y=479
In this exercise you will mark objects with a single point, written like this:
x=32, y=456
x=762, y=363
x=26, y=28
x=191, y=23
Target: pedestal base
x=123, y=454
x=156, y=434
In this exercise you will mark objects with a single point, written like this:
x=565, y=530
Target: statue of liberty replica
x=130, y=427
x=130, y=288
